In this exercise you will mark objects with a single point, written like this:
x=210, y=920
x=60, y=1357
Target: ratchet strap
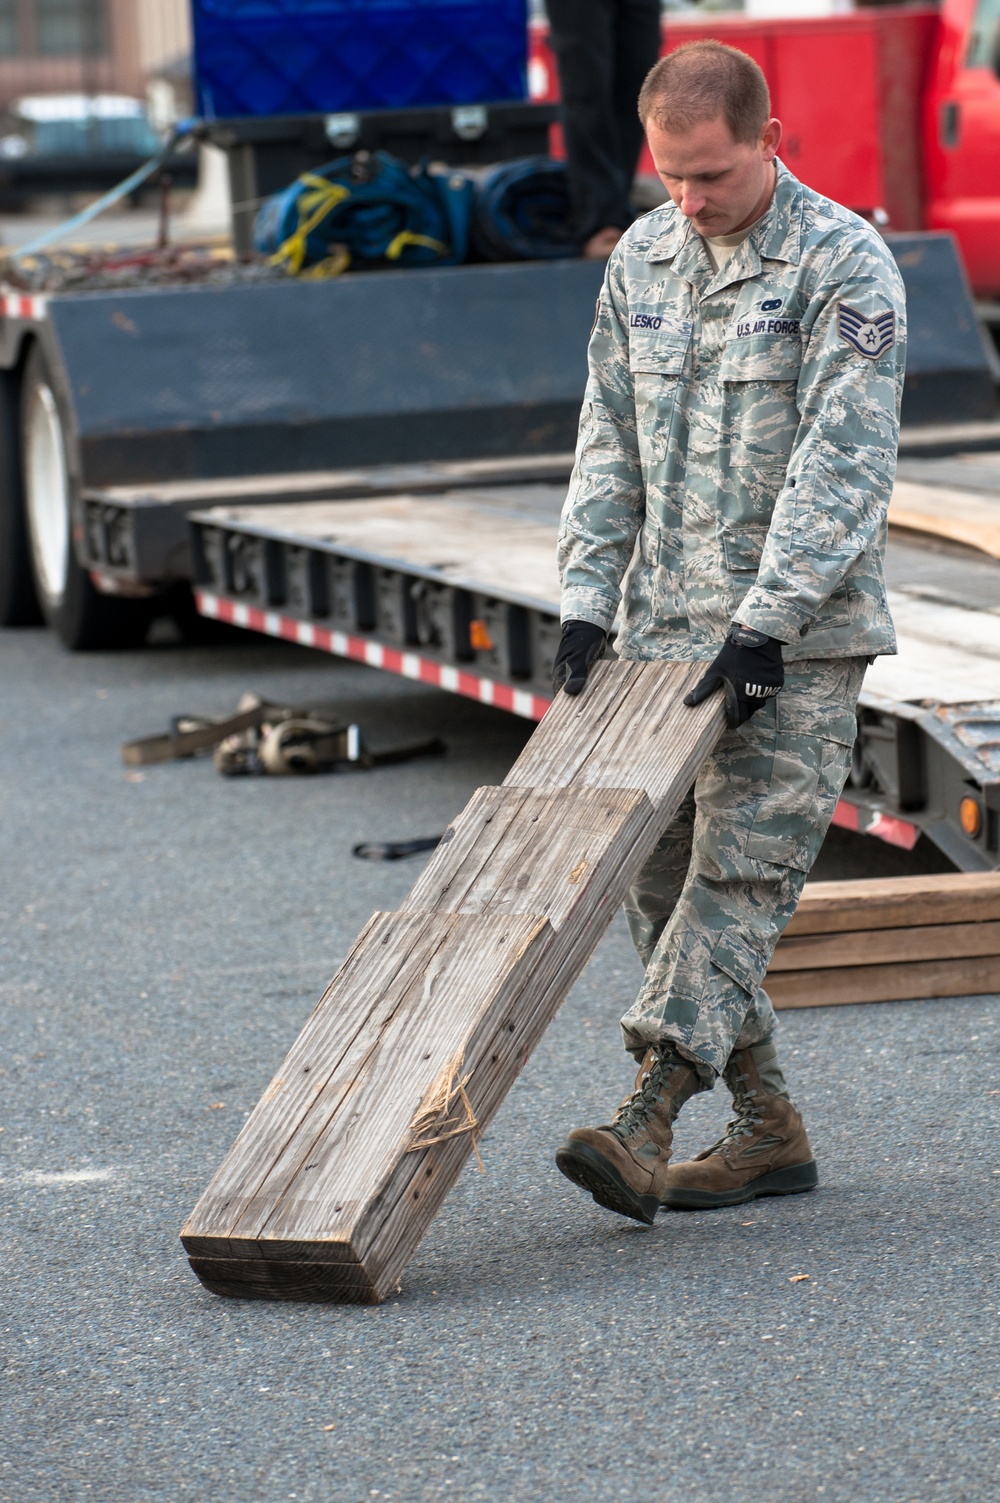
x=265, y=737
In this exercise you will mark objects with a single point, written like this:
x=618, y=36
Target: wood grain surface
x=960, y=515
x=412, y=1049
x=896, y=903
x=881, y=947
x=902, y=982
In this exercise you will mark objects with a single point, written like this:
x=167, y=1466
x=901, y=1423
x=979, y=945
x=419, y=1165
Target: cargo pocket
x=759, y=379
x=656, y=373
x=742, y=547
x=807, y=776
x=740, y=960
x=663, y=359
x=657, y=363
x=764, y=358
x=657, y=342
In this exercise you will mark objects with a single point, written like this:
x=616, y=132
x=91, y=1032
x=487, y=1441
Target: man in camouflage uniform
x=740, y=426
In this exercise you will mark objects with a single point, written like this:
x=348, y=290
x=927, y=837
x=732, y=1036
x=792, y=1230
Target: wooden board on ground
x=890, y=939
x=885, y=983
x=338, y=1172
x=811, y=952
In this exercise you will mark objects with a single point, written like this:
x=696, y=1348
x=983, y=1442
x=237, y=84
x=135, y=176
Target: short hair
x=701, y=81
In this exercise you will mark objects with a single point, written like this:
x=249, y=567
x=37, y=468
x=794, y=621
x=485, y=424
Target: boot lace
x=637, y=1109
x=749, y=1116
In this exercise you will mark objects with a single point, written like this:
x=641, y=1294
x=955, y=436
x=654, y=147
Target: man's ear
x=770, y=139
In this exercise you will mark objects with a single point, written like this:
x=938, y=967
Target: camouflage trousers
x=706, y=911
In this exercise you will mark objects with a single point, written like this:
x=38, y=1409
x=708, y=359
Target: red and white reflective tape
x=474, y=686
x=392, y=659
x=21, y=305
x=883, y=826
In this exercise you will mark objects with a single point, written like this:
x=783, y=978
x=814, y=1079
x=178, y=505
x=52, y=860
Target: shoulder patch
x=871, y=337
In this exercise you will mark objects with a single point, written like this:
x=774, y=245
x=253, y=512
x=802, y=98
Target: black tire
x=81, y=616
x=18, y=600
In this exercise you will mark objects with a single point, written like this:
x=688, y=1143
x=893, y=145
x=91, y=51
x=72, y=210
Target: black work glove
x=750, y=669
x=581, y=645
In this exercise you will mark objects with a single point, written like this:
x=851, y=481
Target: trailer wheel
x=80, y=616
x=18, y=600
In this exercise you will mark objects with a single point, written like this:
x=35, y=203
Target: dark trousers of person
x=604, y=49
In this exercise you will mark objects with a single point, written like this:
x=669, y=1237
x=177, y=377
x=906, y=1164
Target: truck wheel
x=18, y=601
x=80, y=616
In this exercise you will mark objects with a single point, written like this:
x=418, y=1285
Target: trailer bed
x=499, y=541
x=460, y=589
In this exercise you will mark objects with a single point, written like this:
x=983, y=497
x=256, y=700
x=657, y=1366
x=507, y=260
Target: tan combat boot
x=624, y=1164
x=765, y=1150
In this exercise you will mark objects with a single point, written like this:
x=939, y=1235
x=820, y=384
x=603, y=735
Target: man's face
x=721, y=185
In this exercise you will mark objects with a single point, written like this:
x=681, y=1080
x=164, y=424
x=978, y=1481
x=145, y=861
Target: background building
x=91, y=46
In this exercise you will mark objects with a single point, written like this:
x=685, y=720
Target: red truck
x=891, y=110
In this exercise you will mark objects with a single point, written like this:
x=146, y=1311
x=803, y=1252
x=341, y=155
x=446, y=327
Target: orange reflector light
x=479, y=636
x=970, y=816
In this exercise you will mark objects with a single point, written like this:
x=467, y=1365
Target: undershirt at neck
x=721, y=247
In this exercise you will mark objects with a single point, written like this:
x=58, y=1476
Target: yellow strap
x=330, y=266
x=396, y=247
x=313, y=208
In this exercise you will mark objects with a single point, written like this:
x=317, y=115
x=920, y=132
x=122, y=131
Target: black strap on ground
x=433, y=747
x=394, y=850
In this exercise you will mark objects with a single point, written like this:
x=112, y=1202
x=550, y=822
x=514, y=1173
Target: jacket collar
x=778, y=237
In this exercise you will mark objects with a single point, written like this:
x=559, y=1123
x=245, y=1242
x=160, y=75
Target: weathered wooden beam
x=338, y=1172
x=896, y=903
x=889, y=939
x=903, y=982
x=882, y=947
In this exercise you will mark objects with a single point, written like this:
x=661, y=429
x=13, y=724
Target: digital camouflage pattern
x=742, y=426
x=737, y=425
x=724, y=880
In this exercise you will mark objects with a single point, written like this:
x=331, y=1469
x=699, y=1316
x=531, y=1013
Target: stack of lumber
x=338, y=1172
x=890, y=939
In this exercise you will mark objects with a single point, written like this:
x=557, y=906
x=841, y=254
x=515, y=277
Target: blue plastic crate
x=297, y=57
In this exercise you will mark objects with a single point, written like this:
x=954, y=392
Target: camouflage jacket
x=743, y=425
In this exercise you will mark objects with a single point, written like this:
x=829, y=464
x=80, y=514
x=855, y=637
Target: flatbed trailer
x=374, y=466
x=458, y=589
x=122, y=409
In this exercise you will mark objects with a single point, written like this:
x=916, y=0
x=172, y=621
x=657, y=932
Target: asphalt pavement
x=164, y=935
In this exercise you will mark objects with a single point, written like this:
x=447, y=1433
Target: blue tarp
x=367, y=210
x=523, y=212
x=372, y=210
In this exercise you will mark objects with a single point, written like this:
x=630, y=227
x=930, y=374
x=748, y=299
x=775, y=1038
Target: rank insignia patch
x=869, y=336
